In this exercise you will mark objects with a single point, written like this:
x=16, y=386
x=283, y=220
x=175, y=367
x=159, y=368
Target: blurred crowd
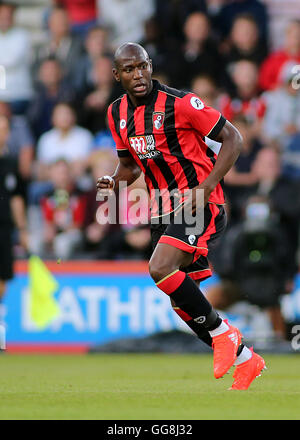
x=53, y=111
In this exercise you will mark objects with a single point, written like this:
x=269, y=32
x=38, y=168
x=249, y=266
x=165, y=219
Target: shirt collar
x=149, y=98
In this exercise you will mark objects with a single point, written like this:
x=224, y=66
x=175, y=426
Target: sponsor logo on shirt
x=144, y=146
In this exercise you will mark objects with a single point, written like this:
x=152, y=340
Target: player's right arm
x=127, y=171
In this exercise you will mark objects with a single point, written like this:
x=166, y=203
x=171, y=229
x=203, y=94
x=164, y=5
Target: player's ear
x=151, y=67
x=116, y=74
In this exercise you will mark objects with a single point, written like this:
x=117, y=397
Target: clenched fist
x=105, y=186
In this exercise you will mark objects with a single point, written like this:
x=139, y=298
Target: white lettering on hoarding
x=93, y=295
x=71, y=312
x=94, y=308
x=117, y=308
x=157, y=310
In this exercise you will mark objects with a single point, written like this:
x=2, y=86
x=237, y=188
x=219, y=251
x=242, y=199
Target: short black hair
x=128, y=45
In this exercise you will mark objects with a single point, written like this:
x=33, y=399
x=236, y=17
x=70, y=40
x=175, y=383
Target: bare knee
x=159, y=269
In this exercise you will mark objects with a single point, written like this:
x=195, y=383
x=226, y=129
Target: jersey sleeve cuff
x=123, y=153
x=217, y=128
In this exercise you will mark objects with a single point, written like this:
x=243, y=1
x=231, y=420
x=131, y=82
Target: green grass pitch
x=142, y=387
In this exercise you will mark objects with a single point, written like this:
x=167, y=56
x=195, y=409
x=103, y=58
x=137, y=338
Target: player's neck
x=140, y=101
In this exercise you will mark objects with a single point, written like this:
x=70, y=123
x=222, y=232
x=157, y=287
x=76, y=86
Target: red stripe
x=123, y=115
x=172, y=241
x=172, y=283
x=201, y=275
x=210, y=230
x=47, y=348
x=162, y=184
x=184, y=316
x=89, y=267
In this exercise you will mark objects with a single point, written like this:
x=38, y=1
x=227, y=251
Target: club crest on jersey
x=191, y=239
x=144, y=146
x=158, y=119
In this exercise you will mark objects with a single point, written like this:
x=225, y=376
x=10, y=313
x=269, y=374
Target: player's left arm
x=209, y=122
x=232, y=142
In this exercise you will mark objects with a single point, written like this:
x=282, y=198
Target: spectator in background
x=12, y=210
x=206, y=88
x=284, y=196
x=104, y=141
x=247, y=261
x=65, y=140
x=245, y=98
x=82, y=14
x=96, y=46
x=155, y=44
x=244, y=41
x=99, y=237
x=198, y=55
x=279, y=17
x=51, y=88
x=60, y=44
x=135, y=236
x=232, y=8
x=95, y=100
x=269, y=77
x=125, y=20
x=15, y=56
x=172, y=14
x=63, y=211
x=282, y=118
x=20, y=142
x=127, y=234
x=241, y=180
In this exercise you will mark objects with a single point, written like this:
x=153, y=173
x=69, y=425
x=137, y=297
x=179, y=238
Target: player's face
x=135, y=73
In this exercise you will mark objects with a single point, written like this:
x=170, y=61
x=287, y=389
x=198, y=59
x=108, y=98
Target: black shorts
x=198, y=244
x=6, y=254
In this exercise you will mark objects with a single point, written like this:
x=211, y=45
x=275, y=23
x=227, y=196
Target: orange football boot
x=246, y=372
x=225, y=347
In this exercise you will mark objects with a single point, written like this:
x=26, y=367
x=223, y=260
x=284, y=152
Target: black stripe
x=174, y=145
x=159, y=160
x=211, y=155
x=115, y=111
x=130, y=120
x=217, y=128
x=155, y=185
x=171, y=91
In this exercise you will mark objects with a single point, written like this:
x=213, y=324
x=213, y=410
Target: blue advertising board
x=99, y=306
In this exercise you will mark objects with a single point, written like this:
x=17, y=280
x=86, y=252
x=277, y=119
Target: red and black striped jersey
x=165, y=136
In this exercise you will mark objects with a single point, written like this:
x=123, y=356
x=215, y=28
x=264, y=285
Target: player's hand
x=105, y=186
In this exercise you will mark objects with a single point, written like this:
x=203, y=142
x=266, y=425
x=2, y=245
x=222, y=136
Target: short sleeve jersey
x=165, y=136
